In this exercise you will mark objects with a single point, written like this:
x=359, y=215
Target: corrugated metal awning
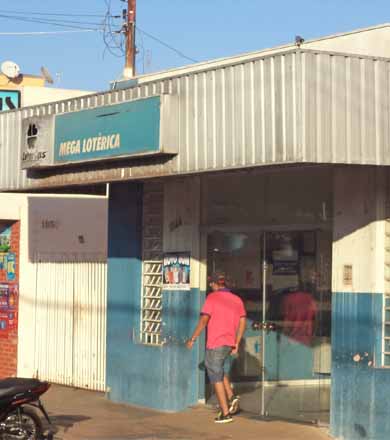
x=299, y=106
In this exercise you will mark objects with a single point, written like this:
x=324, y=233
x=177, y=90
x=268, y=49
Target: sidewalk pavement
x=79, y=414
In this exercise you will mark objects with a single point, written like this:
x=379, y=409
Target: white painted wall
x=40, y=95
x=62, y=304
x=359, y=228
x=11, y=206
x=181, y=220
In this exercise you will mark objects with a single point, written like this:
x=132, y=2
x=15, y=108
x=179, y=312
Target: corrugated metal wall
x=299, y=106
x=69, y=322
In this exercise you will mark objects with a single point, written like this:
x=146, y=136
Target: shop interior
x=282, y=271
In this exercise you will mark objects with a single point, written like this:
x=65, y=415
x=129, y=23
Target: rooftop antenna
x=46, y=75
x=58, y=77
x=10, y=69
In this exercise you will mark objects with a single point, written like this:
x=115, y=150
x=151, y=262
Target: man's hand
x=203, y=320
x=235, y=349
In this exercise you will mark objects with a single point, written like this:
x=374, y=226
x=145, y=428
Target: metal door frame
x=262, y=232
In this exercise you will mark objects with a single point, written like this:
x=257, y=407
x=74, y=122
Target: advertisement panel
x=8, y=308
x=176, y=271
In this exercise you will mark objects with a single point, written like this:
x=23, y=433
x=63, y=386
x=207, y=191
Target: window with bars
x=151, y=302
x=386, y=331
x=152, y=277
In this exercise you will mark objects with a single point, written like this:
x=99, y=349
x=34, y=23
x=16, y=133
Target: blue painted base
x=360, y=405
x=166, y=377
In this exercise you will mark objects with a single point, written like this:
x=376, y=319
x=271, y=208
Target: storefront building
x=53, y=295
x=271, y=167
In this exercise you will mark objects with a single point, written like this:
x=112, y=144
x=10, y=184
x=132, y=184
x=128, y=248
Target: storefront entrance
x=283, y=276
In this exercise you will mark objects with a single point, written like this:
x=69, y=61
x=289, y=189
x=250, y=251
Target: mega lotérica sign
x=129, y=129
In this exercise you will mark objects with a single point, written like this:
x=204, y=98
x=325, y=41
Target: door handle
x=263, y=325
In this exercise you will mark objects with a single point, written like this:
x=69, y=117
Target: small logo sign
x=9, y=100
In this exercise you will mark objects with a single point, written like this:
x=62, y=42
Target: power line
x=48, y=32
x=113, y=40
x=51, y=14
x=53, y=23
x=49, y=20
x=167, y=45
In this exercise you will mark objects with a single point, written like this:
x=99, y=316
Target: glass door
x=296, y=328
x=237, y=254
x=283, y=366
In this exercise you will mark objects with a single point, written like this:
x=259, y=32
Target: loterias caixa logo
x=36, y=141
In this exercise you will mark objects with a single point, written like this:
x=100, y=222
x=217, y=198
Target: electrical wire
x=53, y=23
x=48, y=32
x=50, y=14
x=178, y=52
x=113, y=40
x=49, y=20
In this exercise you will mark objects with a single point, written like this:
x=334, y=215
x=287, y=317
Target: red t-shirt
x=225, y=310
x=299, y=313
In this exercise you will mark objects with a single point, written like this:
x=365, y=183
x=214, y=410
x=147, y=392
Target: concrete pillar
x=359, y=408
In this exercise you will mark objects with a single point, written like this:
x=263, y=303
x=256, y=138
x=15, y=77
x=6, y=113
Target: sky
x=194, y=30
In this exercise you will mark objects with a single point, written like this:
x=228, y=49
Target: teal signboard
x=127, y=129
x=9, y=99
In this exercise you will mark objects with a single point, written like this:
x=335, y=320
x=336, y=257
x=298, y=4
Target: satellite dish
x=46, y=75
x=10, y=69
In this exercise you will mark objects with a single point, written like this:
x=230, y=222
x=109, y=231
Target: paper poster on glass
x=5, y=239
x=281, y=267
x=8, y=308
x=285, y=261
x=10, y=266
x=176, y=271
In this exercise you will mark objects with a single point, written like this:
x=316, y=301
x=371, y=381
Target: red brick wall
x=9, y=346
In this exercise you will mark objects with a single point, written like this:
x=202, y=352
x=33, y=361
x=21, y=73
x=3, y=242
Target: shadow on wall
x=354, y=204
x=98, y=168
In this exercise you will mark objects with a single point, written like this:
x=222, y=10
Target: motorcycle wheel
x=26, y=426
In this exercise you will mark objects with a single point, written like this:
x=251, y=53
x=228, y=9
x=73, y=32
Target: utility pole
x=129, y=71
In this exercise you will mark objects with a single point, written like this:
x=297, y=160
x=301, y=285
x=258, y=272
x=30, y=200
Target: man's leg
x=214, y=361
x=228, y=387
x=221, y=396
x=233, y=400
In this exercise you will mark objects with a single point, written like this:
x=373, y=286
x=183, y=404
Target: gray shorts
x=214, y=362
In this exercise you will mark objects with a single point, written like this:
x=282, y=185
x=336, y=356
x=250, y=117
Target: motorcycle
x=18, y=418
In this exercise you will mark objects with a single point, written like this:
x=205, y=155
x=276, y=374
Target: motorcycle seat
x=14, y=385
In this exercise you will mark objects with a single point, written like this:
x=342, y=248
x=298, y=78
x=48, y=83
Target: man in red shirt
x=223, y=314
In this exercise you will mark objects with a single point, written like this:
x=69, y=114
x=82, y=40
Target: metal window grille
x=152, y=279
x=151, y=302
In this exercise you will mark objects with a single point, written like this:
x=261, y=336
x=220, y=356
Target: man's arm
x=240, y=333
x=203, y=320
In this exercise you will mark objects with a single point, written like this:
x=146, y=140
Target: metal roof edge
x=345, y=54
x=217, y=62
x=171, y=74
